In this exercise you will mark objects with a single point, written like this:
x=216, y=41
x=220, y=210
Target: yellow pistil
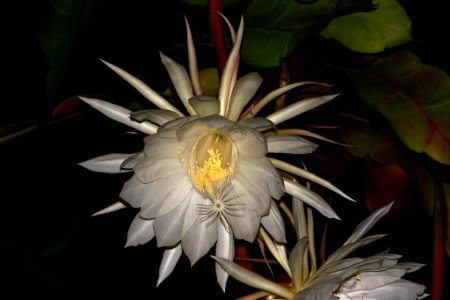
x=212, y=168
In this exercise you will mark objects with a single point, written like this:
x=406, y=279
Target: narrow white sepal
x=298, y=191
x=279, y=164
x=119, y=114
x=116, y=206
x=280, y=256
x=143, y=88
x=252, y=279
x=296, y=259
x=109, y=163
x=180, y=79
x=273, y=95
x=368, y=223
x=169, y=261
x=298, y=108
x=192, y=57
x=224, y=249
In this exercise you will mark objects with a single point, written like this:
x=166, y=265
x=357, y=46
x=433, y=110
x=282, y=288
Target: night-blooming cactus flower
x=377, y=277
x=204, y=179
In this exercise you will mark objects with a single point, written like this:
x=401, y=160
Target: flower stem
x=217, y=39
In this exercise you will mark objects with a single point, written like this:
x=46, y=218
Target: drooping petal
x=144, y=89
x=119, y=114
x=274, y=223
x=140, y=231
x=224, y=249
x=243, y=92
x=205, y=105
x=169, y=261
x=298, y=108
x=110, y=163
x=157, y=116
x=289, y=144
x=180, y=80
x=200, y=238
x=308, y=196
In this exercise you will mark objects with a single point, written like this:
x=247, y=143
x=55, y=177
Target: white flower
x=205, y=179
x=374, y=277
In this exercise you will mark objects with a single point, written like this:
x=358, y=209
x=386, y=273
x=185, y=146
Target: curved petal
x=259, y=124
x=274, y=223
x=140, y=232
x=205, y=105
x=289, y=144
x=224, y=249
x=298, y=108
x=134, y=191
x=109, y=163
x=169, y=261
x=157, y=116
x=199, y=239
x=119, y=114
x=249, y=142
x=243, y=92
x=158, y=166
x=180, y=80
x=144, y=89
x=308, y=196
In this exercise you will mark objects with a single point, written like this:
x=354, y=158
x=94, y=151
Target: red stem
x=215, y=7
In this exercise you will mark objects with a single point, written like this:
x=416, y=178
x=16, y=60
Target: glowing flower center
x=212, y=164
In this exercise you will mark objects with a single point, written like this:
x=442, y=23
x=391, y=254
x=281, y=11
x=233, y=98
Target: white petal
x=399, y=290
x=157, y=166
x=252, y=279
x=180, y=79
x=205, y=105
x=134, y=191
x=250, y=143
x=169, y=228
x=270, y=175
x=298, y=108
x=200, y=238
x=109, y=163
x=309, y=197
x=274, y=223
x=140, y=231
x=296, y=260
x=249, y=191
x=116, y=206
x=157, y=116
x=289, y=144
x=245, y=226
x=169, y=261
x=224, y=249
x=243, y=92
x=119, y=114
x=165, y=195
x=259, y=124
x=193, y=69
x=374, y=279
x=144, y=89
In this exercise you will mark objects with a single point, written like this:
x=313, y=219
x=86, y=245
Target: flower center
x=212, y=164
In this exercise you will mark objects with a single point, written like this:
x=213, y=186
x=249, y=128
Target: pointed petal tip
x=116, y=206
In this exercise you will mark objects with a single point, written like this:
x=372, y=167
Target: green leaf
x=413, y=97
x=274, y=28
x=371, y=32
x=65, y=22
